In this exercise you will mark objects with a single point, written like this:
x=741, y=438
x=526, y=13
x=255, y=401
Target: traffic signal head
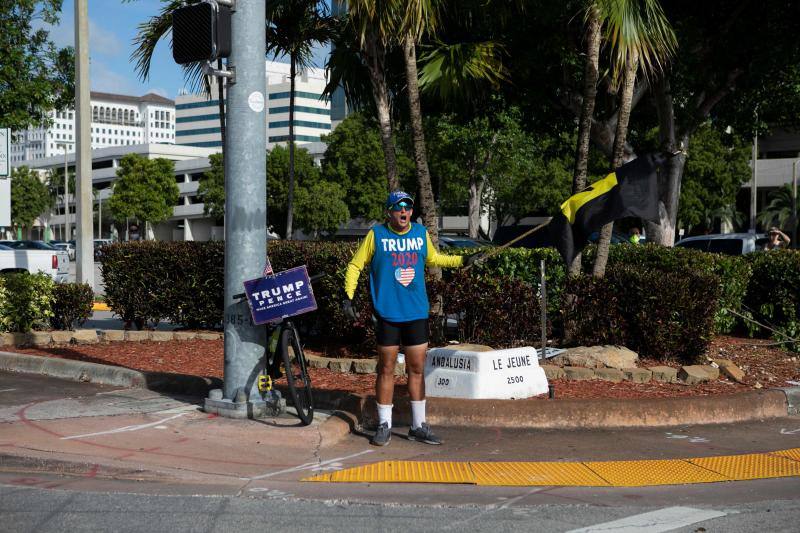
x=201, y=32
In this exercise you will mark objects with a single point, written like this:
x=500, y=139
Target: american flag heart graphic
x=404, y=275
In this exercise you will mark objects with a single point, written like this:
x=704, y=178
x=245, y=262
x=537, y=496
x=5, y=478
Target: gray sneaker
x=423, y=434
x=382, y=435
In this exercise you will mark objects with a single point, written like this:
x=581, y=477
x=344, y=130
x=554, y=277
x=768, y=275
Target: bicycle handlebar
x=312, y=279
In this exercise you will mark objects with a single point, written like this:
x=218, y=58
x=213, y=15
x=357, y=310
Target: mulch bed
x=765, y=366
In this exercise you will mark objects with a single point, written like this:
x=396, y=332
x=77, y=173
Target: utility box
x=201, y=32
x=498, y=374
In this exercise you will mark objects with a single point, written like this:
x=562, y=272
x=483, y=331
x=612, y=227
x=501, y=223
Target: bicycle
x=284, y=335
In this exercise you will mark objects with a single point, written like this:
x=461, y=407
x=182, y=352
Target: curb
x=353, y=410
x=106, y=374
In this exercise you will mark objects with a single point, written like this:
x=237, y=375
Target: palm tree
x=778, y=212
x=590, y=77
x=293, y=28
x=640, y=37
x=372, y=24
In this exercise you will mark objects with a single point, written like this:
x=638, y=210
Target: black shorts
x=401, y=333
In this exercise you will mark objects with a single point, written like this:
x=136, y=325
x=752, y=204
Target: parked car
x=726, y=243
x=454, y=240
x=34, y=256
x=98, y=247
x=69, y=248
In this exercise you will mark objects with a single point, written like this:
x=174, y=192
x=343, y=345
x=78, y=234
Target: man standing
x=397, y=252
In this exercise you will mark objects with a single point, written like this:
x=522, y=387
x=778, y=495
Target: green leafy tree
x=30, y=197
x=146, y=189
x=321, y=208
x=212, y=189
x=715, y=170
x=294, y=27
x=306, y=174
x=36, y=77
x=355, y=159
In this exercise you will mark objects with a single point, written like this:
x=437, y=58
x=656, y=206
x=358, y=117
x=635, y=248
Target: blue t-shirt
x=397, y=274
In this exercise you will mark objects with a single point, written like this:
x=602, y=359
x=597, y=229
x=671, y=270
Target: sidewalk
x=128, y=433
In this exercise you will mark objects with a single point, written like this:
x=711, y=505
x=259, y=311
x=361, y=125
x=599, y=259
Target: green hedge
x=25, y=301
x=732, y=272
x=773, y=294
x=72, y=303
x=661, y=314
x=182, y=282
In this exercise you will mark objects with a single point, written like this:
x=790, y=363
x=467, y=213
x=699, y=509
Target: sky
x=112, y=27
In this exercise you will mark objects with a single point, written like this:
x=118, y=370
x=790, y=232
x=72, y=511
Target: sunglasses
x=400, y=206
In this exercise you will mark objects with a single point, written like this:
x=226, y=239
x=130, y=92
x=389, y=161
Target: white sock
x=417, y=413
x=385, y=414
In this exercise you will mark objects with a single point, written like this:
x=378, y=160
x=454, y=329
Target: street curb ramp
x=107, y=374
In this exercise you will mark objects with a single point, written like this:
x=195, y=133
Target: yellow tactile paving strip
x=782, y=463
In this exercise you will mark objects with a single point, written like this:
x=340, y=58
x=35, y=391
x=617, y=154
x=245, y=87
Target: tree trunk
x=590, y=76
x=426, y=200
x=375, y=58
x=290, y=199
x=626, y=101
x=475, y=192
x=669, y=180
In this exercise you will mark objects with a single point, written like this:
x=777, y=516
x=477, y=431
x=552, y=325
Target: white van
x=726, y=243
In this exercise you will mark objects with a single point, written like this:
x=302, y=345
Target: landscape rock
x=598, y=357
x=694, y=374
x=6, y=339
x=577, y=373
x=209, y=336
x=637, y=375
x=184, y=335
x=609, y=374
x=39, y=338
x=729, y=369
x=84, y=336
x=664, y=374
x=466, y=347
x=365, y=366
x=400, y=369
x=61, y=337
x=553, y=371
x=315, y=361
x=137, y=336
x=161, y=336
x=112, y=335
x=340, y=365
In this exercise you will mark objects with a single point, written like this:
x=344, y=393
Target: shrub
x=499, y=311
x=72, y=302
x=28, y=301
x=773, y=295
x=666, y=315
x=732, y=272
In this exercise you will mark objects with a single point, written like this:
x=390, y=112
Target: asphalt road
x=176, y=469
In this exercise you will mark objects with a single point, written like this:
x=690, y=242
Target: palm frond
x=454, y=73
x=149, y=34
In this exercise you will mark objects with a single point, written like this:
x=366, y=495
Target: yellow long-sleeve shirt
x=366, y=251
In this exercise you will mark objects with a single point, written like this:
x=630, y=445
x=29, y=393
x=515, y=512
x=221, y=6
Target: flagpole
x=497, y=249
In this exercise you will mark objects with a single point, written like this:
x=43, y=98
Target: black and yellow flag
x=630, y=191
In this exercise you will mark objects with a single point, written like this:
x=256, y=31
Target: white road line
x=665, y=519
x=7, y=390
x=307, y=466
x=179, y=409
x=784, y=431
x=124, y=429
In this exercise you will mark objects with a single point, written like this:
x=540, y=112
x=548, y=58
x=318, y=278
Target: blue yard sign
x=282, y=295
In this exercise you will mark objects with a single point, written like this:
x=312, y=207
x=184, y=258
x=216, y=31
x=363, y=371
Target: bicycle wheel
x=297, y=374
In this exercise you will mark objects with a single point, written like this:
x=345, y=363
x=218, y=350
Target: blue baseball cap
x=397, y=196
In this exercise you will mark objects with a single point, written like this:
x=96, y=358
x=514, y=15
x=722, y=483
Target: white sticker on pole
x=256, y=101
x=5, y=152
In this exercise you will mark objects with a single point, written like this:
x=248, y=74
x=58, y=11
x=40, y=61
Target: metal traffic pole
x=245, y=202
